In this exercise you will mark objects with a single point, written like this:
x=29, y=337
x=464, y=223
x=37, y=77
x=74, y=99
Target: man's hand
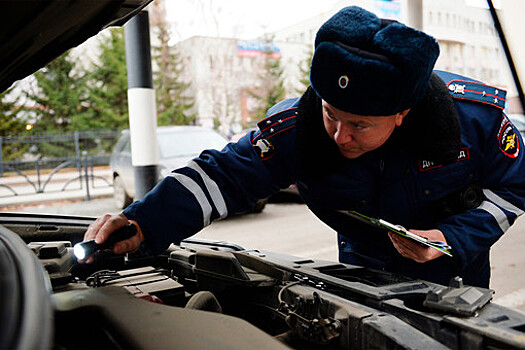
x=417, y=252
x=105, y=225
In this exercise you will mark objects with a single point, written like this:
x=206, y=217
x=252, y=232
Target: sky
x=243, y=19
x=247, y=19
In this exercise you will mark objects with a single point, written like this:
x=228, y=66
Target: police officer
x=380, y=133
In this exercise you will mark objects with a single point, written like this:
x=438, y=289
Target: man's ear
x=400, y=116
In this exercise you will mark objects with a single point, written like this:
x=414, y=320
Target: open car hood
x=33, y=33
x=214, y=294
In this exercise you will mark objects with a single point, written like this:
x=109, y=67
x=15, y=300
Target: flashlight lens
x=84, y=249
x=79, y=251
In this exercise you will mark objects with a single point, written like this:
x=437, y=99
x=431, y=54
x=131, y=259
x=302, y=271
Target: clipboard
x=400, y=230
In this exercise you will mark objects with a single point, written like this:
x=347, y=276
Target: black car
x=200, y=294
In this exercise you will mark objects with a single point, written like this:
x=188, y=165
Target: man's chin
x=350, y=154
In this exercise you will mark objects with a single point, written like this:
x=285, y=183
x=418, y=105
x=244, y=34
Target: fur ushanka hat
x=370, y=66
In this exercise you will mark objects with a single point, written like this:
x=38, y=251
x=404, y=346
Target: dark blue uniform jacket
x=456, y=164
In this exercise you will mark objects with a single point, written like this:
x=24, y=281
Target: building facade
x=223, y=72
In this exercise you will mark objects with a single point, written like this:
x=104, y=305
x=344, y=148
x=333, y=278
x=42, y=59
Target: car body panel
x=519, y=122
x=120, y=164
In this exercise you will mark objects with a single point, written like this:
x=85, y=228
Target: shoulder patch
x=270, y=127
x=264, y=148
x=478, y=92
x=277, y=123
x=508, y=141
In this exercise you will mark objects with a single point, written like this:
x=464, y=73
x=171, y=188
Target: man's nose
x=342, y=134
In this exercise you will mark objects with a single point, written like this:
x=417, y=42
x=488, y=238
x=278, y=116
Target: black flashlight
x=83, y=250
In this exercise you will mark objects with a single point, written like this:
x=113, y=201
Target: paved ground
x=292, y=229
x=65, y=184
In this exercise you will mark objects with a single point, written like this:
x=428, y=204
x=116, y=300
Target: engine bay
x=201, y=293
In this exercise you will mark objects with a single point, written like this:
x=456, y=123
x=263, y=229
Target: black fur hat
x=369, y=66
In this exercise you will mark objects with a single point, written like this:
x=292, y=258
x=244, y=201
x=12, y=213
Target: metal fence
x=30, y=163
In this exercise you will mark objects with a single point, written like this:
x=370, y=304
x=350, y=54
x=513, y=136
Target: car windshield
x=189, y=142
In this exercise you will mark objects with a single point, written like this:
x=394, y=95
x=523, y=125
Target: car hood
x=33, y=33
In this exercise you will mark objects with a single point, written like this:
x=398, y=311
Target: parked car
x=177, y=146
x=519, y=122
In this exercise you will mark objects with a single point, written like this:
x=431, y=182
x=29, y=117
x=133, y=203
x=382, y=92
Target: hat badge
x=343, y=81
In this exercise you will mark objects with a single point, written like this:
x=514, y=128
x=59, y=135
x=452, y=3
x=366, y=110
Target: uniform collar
x=431, y=129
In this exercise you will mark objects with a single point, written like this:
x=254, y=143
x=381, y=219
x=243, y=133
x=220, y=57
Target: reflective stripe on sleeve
x=213, y=189
x=195, y=189
x=501, y=202
x=497, y=213
x=495, y=206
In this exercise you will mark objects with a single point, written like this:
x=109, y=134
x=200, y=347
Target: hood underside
x=33, y=33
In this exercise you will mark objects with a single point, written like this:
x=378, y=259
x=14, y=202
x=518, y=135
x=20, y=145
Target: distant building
x=224, y=71
x=469, y=44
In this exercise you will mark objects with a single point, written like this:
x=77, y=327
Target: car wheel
x=120, y=196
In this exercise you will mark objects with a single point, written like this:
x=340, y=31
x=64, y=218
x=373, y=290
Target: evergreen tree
x=173, y=103
x=11, y=125
x=108, y=86
x=304, y=70
x=272, y=82
x=59, y=96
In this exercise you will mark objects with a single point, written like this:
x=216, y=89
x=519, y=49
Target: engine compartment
x=236, y=286
x=202, y=293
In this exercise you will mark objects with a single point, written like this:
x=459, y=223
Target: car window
x=189, y=142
